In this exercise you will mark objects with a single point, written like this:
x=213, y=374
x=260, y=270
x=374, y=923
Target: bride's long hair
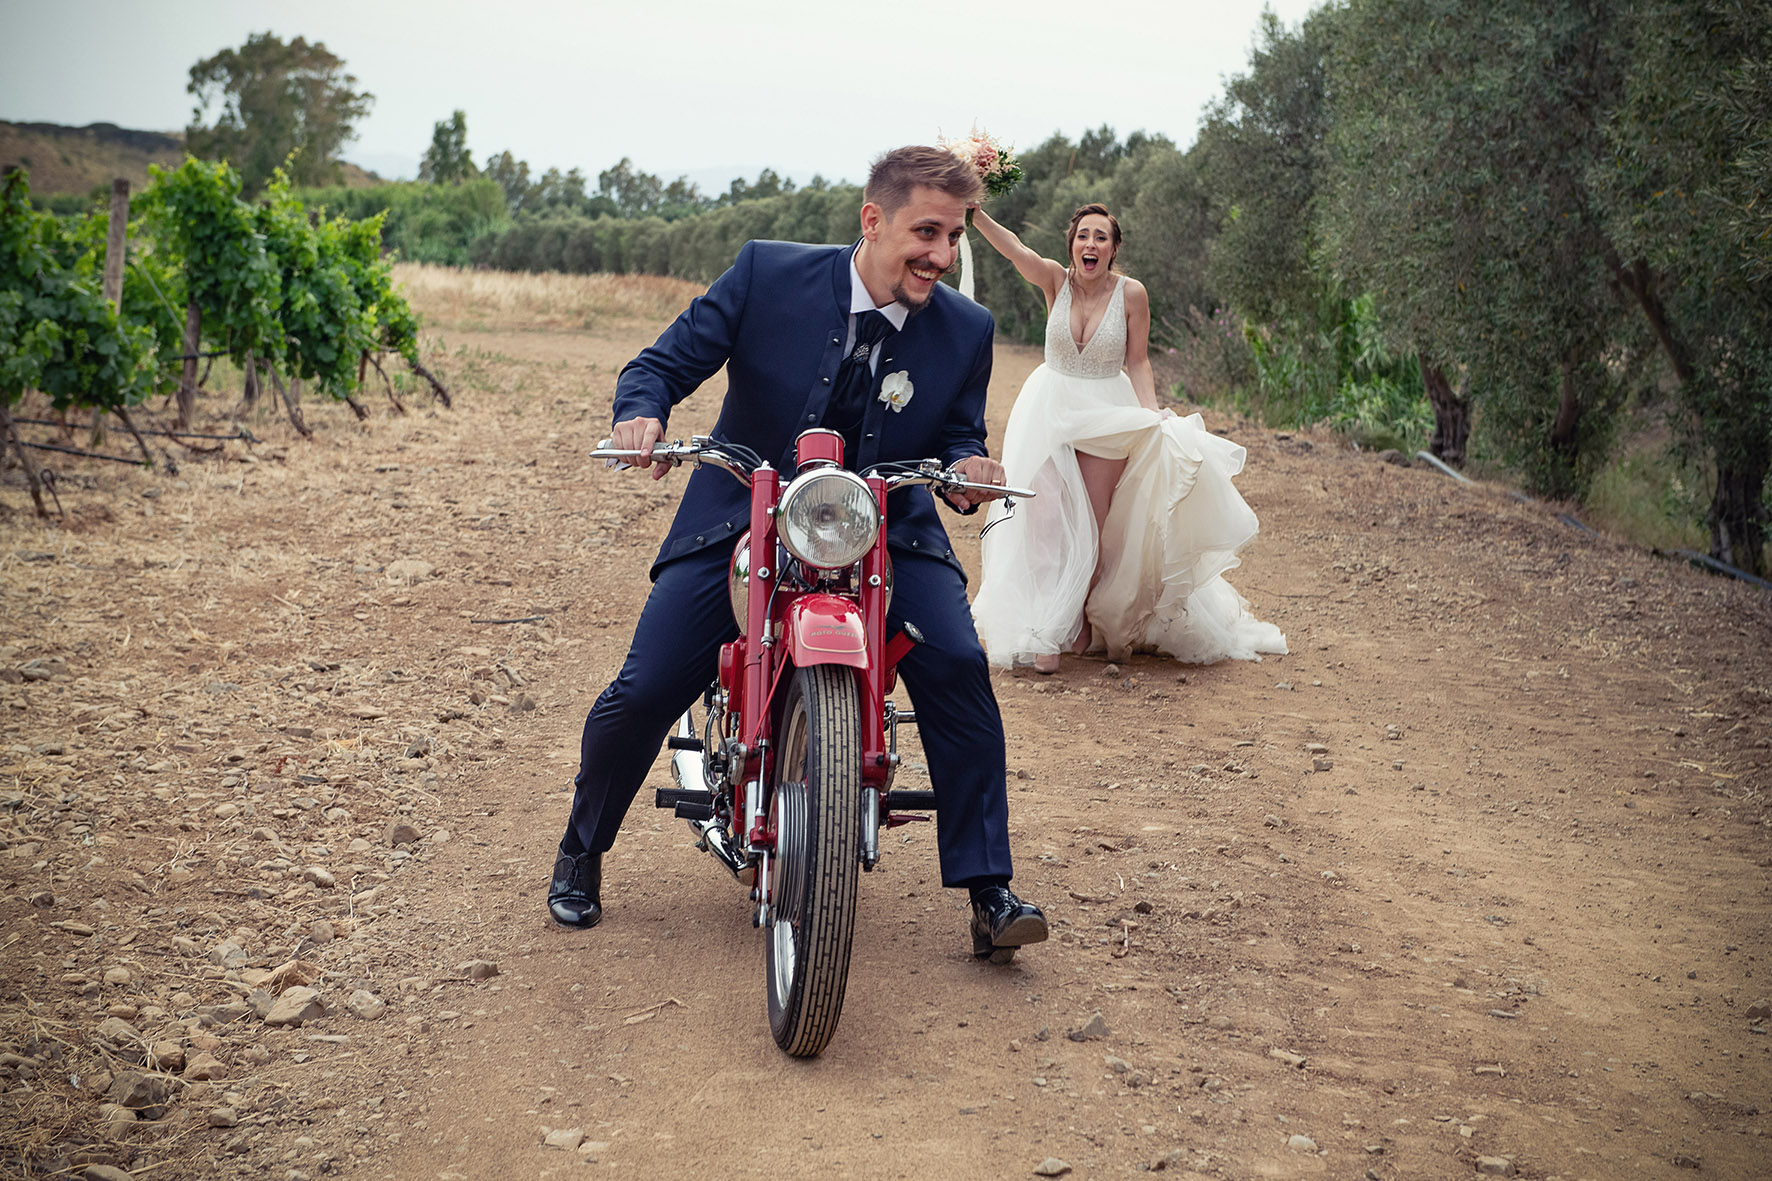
x=1070, y=236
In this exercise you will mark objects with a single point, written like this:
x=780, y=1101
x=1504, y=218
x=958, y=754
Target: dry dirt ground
x=1473, y=882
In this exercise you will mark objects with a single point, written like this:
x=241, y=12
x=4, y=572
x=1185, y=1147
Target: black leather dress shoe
x=1001, y=922
x=573, y=894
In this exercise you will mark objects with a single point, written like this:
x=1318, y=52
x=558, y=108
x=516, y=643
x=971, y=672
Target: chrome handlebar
x=947, y=479
x=703, y=450
x=697, y=451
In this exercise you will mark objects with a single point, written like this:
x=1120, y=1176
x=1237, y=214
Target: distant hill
x=77, y=160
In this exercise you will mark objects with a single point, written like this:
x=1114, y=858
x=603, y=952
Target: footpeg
x=689, y=804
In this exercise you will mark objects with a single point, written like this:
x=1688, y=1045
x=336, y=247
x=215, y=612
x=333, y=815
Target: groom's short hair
x=901, y=170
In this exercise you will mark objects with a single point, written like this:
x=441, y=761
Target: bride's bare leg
x=1100, y=478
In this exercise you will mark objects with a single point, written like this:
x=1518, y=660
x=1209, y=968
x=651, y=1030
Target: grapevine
x=280, y=291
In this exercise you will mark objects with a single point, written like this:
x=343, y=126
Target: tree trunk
x=9, y=434
x=386, y=384
x=1562, y=434
x=117, y=243
x=187, y=387
x=1737, y=515
x=123, y=415
x=1639, y=280
x=290, y=404
x=437, y=390
x=249, y=388
x=1452, y=413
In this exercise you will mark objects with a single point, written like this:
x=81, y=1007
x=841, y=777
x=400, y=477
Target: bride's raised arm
x=1043, y=273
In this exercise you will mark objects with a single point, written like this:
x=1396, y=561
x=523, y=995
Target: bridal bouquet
x=997, y=168
x=996, y=164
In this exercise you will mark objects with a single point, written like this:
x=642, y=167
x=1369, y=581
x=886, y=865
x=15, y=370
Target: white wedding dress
x=1175, y=526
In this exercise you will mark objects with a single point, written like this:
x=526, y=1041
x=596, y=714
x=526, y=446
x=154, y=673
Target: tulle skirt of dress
x=1175, y=527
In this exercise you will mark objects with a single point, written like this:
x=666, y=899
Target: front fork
x=690, y=769
x=871, y=796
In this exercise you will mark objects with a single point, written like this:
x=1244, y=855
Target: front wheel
x=814, y=872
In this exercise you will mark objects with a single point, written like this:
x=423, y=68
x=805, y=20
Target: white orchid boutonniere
x=895, y=390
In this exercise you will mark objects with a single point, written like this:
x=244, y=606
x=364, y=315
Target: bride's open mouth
x=1089, y=263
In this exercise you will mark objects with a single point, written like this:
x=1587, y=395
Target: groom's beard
x=903, y=297
x=911, y=309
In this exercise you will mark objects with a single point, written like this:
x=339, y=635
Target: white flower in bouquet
x=996, y=164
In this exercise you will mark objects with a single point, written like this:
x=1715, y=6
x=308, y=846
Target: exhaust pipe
x=714, y=839
x=688, y=759
x=689, y=769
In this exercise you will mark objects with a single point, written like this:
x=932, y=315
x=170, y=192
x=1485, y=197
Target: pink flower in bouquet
x=996, y=165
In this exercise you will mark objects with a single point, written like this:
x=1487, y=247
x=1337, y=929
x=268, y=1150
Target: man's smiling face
x=903, y=256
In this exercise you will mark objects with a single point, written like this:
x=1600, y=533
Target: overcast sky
x=712, y=89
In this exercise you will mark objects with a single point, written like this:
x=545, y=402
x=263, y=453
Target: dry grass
x=491, y=300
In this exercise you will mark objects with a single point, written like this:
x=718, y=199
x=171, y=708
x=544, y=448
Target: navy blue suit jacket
x=778, y=320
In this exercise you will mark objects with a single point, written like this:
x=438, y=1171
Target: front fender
x=826, y=629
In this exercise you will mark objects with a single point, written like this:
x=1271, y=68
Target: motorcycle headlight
x=738, y=581
x=828, y=519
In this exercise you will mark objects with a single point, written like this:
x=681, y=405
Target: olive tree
x=1686, y=166
x=1462, y=140
x=279, y=101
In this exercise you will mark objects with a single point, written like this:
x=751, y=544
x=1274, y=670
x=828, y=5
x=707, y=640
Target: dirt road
x=1473, y=882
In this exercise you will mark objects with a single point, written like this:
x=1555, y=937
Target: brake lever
x=1008, y=511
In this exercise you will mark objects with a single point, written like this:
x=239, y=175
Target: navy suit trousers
x=675, y=654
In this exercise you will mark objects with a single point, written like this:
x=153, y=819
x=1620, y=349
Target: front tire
x=814, y=872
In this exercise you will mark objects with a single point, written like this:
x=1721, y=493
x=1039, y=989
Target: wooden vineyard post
x=117, y=243
x=187, y=386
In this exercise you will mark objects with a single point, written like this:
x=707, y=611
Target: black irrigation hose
x=1703, y=561
x=1710, y=563
x=82, y=454
x=1436, y=461
x=243, y=436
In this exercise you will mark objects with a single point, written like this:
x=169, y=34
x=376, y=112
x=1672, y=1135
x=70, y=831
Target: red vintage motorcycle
x=789, y=779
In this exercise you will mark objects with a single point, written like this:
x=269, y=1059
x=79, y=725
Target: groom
x=782, y=321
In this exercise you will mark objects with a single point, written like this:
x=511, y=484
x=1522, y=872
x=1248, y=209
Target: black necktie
x=855, y=381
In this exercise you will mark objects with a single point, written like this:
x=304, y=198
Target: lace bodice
x=1105, y=354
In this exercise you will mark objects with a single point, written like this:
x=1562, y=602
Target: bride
x=1136, y=519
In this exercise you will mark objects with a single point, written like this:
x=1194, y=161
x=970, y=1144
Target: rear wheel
x=814, y=872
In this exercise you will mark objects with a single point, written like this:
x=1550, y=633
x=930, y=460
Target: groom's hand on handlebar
x=980, y=469
x=639, y=434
